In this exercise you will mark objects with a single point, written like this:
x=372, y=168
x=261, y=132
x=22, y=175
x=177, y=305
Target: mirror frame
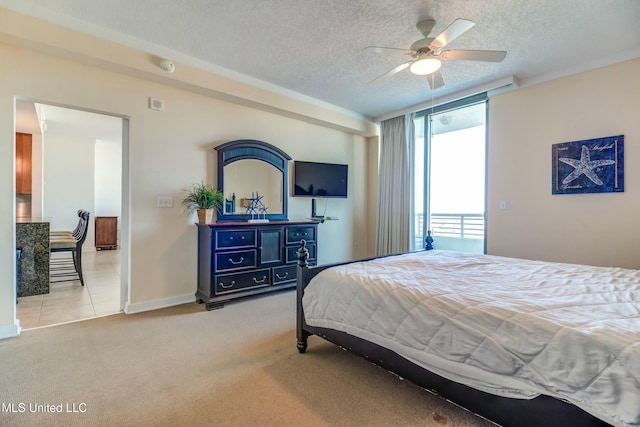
x=251, y=149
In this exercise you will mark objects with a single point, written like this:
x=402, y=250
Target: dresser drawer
x=235, y=238
x=295, y=234
x=286, y=273
x=233, y=282
x=292, y=253
x=235, y=260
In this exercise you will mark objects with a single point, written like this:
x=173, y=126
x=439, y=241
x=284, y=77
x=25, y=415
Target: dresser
x=239, y=259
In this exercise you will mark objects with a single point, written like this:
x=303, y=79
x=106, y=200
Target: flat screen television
x=314, y=179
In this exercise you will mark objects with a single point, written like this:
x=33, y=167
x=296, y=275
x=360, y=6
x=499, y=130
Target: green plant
x=202, y=196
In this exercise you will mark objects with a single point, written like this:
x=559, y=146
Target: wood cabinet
x=23, y=163
x=239, y=259
x=106, y=232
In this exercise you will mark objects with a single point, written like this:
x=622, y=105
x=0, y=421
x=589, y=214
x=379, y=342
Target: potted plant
x=203, y=199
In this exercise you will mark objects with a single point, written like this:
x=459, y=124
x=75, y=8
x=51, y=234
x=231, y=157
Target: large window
x=449, y=175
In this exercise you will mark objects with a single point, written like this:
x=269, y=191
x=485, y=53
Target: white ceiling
x=67, y=121
x=315, y=47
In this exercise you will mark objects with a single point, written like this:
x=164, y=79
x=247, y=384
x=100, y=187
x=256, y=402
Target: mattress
x=512, y=327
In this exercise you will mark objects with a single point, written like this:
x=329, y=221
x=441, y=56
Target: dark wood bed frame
x=541, y=411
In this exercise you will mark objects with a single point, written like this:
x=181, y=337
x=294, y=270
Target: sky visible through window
x=457, y=172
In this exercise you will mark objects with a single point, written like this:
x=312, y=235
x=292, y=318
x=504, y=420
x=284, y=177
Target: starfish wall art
x=589, y=166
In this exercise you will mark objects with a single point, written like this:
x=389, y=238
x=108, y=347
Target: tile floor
x=70, y=301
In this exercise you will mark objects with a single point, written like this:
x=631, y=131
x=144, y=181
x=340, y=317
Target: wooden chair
x=69, y=243
x=68, y=233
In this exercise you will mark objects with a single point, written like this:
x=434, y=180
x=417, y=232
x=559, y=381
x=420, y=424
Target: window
x=449, y=175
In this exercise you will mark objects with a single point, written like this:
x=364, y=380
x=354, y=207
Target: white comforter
x=507, y=326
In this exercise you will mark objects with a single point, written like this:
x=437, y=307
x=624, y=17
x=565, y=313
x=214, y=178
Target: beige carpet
x=238, y=366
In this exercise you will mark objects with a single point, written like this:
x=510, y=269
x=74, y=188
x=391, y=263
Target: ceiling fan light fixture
x=425, y=66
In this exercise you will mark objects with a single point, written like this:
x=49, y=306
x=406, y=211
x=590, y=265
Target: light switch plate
x=165, y=202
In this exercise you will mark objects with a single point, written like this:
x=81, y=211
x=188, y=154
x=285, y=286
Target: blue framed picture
x=589, y=166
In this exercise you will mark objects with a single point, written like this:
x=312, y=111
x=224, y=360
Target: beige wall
x=600, y=229
x=170, y=150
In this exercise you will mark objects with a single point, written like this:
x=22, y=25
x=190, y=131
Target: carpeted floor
x=237, y=366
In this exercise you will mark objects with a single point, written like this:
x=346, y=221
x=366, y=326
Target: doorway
x=450, y=176
x=79, y=162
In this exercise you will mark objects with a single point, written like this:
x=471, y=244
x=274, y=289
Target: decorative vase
x=205, y=216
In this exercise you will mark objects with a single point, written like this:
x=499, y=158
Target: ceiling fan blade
x=435, y=80
x=390, y=73
x=452, y=32
x=474, y=55
x=382, y=49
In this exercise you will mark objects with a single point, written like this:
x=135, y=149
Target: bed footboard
x=303, y=277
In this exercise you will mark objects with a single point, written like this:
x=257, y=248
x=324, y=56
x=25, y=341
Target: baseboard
x=10, y=331
x=158, y=303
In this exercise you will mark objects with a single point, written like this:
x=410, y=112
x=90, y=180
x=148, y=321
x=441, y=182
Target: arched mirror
x=250, y=169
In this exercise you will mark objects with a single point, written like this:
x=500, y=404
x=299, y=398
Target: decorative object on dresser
x=239, y=259
x=256, y=208
x=106, y=232
x=203, y=199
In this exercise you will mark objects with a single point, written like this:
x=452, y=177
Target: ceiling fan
x=427, y=53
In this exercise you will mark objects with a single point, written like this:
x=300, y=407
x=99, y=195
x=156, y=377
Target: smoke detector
x=167, y=65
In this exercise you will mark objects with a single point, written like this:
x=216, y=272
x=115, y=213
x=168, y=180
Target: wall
x=599, y=229
x=69, y=181
x=36, y=175
x=108, y=180
x=168, y=151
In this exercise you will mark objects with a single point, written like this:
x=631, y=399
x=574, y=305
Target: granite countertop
x=32, y=238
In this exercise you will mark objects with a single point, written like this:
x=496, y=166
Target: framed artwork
x=588, y=166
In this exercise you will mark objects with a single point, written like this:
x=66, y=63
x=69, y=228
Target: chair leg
x=75, y=264
x=77, y=259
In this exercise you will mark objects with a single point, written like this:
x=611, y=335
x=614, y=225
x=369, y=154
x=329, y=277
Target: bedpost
x=303, y=263
x=428, y=242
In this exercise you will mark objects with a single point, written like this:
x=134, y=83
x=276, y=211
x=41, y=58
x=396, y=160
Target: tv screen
x=320, y=179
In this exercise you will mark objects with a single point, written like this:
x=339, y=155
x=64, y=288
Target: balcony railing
x=460, y=225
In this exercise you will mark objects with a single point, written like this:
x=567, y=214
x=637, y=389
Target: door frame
x=125, y=194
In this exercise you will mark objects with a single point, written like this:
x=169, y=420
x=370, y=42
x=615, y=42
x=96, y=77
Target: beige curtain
x=394, y=198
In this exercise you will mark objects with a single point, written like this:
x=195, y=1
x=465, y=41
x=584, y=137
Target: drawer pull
x=236, y=262
x=230, y=285
x=282, y=277
x=264, y=279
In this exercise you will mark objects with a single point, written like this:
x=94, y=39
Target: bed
x=519, y=342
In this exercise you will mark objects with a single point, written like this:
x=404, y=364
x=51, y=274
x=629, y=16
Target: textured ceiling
x=315, y=47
